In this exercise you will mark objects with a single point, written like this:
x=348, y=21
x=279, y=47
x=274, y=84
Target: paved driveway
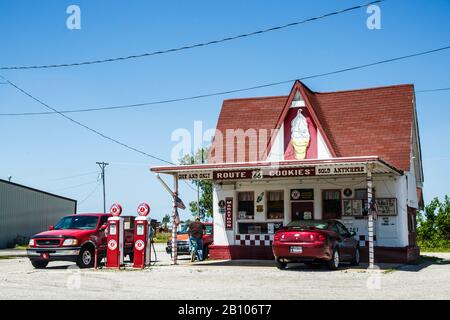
x=223, y=280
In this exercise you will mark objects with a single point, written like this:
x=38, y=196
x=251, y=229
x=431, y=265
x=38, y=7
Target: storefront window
x=361, y=194
x=259, y=228
x=275, y=205
x=253, y=228
x=331, y=204
x=246, y=205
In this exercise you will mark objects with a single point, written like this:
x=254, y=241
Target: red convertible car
x=311, y=241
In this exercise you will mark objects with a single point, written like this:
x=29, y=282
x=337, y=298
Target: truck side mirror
x=51, y=228
x=103, y=227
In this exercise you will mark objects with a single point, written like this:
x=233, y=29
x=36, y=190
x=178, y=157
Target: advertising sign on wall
x=228, y=213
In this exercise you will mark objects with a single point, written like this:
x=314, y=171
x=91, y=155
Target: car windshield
x=77, y=222
x=308, y=224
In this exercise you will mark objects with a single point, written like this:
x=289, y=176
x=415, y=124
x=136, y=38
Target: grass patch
x=438, y=249
x=20, y=247
x=7, y=257
x=162, y=237
x=390, y=270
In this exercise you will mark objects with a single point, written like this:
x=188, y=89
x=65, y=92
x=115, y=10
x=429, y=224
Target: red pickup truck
x=74, y=238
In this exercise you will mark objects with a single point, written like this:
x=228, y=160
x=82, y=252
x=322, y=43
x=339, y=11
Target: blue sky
x=46, y=151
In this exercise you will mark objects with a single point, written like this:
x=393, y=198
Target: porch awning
x=283, y=169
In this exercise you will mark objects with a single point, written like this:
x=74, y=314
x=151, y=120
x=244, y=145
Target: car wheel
x=86, y=258
x=333, y=263
x=39, y=264
x=356, y=258
x=281, y=265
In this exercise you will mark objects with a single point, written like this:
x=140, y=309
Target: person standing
x=195, y=230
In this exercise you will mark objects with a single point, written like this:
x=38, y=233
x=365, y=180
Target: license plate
x=45, y=256
x=296, y=249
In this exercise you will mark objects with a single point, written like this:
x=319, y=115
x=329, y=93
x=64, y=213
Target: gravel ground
x=222, y=280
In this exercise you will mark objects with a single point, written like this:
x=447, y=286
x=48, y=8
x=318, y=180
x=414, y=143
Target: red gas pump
x=142, y=237
x=114, y=250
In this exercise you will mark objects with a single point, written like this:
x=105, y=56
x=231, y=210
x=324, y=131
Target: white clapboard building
x=311, y=155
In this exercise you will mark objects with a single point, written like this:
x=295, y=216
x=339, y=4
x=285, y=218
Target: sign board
x=386, y=206
x=352, y=207
x=228, y=213
x=263, y=173
x=204, y=175
x=302, y=194
x=340, y=169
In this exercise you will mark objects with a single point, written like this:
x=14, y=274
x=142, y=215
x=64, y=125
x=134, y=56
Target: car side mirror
x=51, y=228
x=103, y=227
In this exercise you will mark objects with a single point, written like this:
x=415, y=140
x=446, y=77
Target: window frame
x=338, y=214
x=267, y=205
x=253, y=205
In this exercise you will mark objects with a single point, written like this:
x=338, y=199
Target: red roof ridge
x=365, y=89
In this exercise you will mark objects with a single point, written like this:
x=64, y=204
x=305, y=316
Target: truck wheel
x=86, y=258
x=39, y=264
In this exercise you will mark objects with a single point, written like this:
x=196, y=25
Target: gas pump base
x=115, y=245
x=142, y=242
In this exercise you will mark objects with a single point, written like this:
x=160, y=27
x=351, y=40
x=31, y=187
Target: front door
x=302, y=210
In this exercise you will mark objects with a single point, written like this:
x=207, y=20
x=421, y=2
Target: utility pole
x=102, y=166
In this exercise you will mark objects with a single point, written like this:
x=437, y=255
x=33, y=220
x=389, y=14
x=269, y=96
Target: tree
x=433, y=230
x=205, y=207
x=165, y=220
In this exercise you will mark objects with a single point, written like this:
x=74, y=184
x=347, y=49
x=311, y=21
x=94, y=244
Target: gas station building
x=350, y=155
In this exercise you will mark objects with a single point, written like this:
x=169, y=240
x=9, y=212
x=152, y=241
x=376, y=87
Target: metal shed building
x=25, y=211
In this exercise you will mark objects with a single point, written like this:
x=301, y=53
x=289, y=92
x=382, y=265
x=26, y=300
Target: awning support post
x=370, y=221
x=174, y=220
x=174, y=195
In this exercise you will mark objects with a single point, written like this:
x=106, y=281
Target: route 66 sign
x=257, y=174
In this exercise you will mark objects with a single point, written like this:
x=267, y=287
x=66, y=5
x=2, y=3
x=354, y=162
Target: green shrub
x=433, y=230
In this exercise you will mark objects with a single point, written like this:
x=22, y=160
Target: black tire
x=356, y=258
x=86, y=258
x=39, y=264
x=281, y=265
x=333, y=263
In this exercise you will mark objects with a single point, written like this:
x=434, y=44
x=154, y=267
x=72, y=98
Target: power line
x=203, y=44
x=76, y=186
x=90, y=194
x=433, y=90
x=75, y=176
x=220, y=93
x=85, y=126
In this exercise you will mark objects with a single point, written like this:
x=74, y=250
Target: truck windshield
x=80, y=222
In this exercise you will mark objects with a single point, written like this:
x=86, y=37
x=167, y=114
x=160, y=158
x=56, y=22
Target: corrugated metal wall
x=24, y=212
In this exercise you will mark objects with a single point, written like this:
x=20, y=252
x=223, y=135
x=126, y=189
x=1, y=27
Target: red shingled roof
x=364, y=122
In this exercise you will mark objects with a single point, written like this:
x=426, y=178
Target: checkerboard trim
x=254, y=239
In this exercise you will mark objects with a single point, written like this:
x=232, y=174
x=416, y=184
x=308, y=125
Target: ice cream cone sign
x=300, y=136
